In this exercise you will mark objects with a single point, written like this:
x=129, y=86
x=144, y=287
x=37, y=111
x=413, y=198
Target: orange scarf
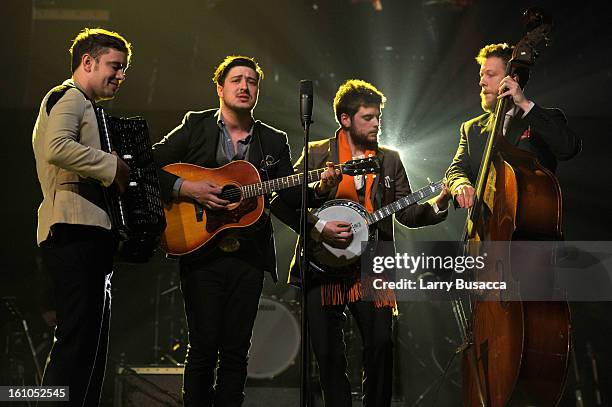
x=346, y=188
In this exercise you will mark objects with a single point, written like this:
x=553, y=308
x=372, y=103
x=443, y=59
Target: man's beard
x=361, y=139
x=485, y=106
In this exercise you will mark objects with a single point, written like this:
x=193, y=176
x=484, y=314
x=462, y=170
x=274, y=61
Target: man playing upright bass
x=530, y=127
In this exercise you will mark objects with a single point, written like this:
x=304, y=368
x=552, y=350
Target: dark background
x=419, y=53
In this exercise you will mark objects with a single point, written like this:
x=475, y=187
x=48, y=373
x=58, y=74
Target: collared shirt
x=225, y=141
x=225, y=150
x=510, y=114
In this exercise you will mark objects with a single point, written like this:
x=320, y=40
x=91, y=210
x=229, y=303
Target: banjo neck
x=404, y=202
x=329, y=259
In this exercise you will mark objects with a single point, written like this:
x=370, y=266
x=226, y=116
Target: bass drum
x=276, y=340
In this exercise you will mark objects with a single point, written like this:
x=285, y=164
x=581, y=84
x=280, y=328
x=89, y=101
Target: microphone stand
x=305, y=366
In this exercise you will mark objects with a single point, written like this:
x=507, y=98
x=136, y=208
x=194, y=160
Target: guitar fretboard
x=404, y=202
x=267, y=187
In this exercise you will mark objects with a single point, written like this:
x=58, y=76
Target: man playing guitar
x=222, y=282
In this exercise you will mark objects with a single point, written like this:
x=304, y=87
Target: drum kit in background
x=149, y=341
x=423, y=338
x=422, y=344
x=275, y=344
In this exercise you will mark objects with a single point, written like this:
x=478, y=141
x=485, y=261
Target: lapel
x=377, y=193
x=516, y=127
x=477, y=142
x=254, y=156
x=333, y=156
x=210, y=140
x=485, y=124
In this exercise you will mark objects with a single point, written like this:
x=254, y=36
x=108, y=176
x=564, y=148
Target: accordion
x=137, y=216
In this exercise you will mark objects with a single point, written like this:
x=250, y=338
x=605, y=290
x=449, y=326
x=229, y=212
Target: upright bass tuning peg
x=534, y=17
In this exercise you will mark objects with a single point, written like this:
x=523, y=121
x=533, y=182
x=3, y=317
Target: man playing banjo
x=358, y=107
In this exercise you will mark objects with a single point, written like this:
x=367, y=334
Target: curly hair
x=355, y=93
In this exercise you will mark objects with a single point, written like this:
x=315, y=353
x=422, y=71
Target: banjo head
x=348, y=211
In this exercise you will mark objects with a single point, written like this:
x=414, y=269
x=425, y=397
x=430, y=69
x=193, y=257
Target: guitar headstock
x=360, y=166
x=539, y=25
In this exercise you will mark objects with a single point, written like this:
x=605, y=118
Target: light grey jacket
x=71, y=167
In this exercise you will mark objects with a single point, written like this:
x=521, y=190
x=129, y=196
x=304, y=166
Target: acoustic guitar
x=189, y=225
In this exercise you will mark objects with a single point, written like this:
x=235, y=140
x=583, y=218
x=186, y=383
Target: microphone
x=306, y=102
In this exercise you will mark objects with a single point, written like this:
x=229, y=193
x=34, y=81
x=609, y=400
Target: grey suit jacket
x=71, y=167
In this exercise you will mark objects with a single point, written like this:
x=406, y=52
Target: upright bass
x=515, y=352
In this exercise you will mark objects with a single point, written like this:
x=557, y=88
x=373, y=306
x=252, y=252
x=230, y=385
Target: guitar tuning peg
x=429, y=180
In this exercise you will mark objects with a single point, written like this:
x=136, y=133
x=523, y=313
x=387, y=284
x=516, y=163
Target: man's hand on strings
x=510, y=87
x=204, y=192
x=338, y=234
x=464, y=195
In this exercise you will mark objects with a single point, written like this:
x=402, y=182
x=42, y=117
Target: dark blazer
x=195, y=141
x=390, y=185
x=543, y=132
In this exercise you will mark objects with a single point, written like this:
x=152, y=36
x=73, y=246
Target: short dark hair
x=235, y=60
x=355, y=93
x=503, y=51
x=95, y=42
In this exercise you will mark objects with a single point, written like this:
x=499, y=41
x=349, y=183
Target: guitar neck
x=404, y=202
x=267, y=187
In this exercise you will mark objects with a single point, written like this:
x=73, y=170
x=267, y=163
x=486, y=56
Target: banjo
x=360, y=219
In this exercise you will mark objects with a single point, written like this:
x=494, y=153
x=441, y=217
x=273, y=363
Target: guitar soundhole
x=231, y=193
x=216, y=219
